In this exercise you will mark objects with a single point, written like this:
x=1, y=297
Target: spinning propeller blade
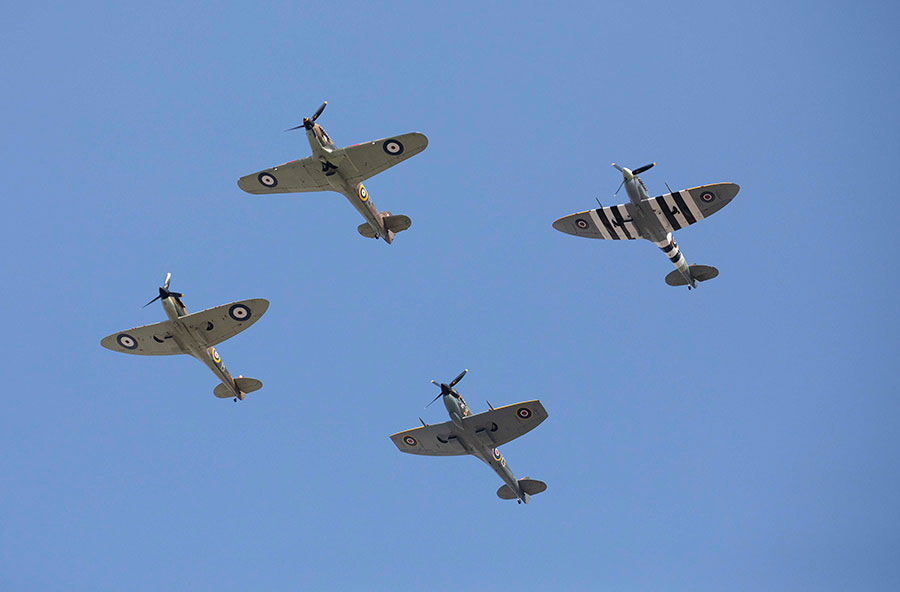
x=458, y=378
x=308, y=121
x=640, y=170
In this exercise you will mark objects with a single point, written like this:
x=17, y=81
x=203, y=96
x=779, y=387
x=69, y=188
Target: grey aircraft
x=478, y=435
x=194, y=334
x=342, y=170
x=654, y=219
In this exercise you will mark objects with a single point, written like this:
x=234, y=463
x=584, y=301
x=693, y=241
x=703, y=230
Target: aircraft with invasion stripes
x=654, y=219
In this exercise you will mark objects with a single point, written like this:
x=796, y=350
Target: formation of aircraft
x=479, y=435
x=194, y=334
x=342, y=170
x=654, y=219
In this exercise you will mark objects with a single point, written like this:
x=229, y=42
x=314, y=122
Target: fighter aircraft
x=342, y=170
x=478, y=435
x=654, y=219
x=194, y=334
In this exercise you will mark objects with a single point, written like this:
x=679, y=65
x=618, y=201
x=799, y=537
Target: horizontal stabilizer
x=397, y=223
x=366, y=230
x=529, y=486
x=701, y=273
x=246, y=385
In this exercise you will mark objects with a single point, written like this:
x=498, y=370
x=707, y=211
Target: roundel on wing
x=126, y=341
x=410, y=441
x=239, y=312
x=581, y=223
x=707, y=196
x=267, y=180
x=524, y=413
x=393, y=147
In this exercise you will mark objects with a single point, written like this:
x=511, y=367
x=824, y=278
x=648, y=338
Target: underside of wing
x=507, y=423
x=432, y=440
x=682, y=208
x=149, y=340
x=359, y=162
x=215, y=325
x=292, y=177
x=611, y=223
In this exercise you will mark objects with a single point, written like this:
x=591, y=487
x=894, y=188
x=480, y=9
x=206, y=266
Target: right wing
x=215, y=325
x=611, y=222
x=358, y=163
x=291, y=177
x=149, y=340
x=507, y=423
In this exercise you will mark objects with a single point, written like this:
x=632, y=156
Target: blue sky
x=742, y=436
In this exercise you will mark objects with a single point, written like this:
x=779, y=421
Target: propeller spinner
x=164, y=291
x=628, y=174
x=447, y=389
x=309, y=121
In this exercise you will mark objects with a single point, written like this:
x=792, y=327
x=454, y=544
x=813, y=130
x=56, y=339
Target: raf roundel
x=524, y=413
x=410, y=441
x=497, y=455
x=707, y=196
x=581, y=223
x=267, y=179
x=126, y=341
x=363, y=194
x=239, y=312
x=393, y=147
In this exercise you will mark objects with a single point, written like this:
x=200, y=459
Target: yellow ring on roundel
x=363, y=194
x=497, y=455
x=216, y=357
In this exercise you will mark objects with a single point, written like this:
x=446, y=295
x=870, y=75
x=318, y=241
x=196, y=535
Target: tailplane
x=244, y=384
x=529, y=487
x=701, y=273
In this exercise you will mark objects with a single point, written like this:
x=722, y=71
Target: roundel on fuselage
x=497, y=455
x=363, y=194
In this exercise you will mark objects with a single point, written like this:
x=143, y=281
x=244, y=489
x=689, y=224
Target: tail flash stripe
x=603, y=231
x=605, y=221
x=618, y=216
x=670, y=218
x=685, y=211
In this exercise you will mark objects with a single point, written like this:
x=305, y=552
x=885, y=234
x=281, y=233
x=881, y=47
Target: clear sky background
x=740, y=437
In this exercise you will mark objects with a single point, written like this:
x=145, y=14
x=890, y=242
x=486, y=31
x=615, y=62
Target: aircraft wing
x=504, y=424
x=291, y=177
x=688, y=206
x=358, y=163
x=492, y=428
x=611, y=222
x=433, y=440
x=215, y=325
x=149, y=340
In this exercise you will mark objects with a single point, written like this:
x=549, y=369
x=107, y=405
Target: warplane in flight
x=342, y=170
x=478, y=435
x=654, y=219
x=194, y=334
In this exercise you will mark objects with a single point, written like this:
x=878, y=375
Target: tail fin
x=397, y=223
x=701, y=273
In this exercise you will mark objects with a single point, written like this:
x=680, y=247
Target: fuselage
x=322, y=148
x=480, y=446
x=648, y=217
x=191, y=344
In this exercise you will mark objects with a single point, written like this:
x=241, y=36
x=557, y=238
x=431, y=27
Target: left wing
x=433, y=440
x=291, y=177
x=358, y=163
x=682, y=208
x=149, y=340
x=611, y=222
x=215, y=325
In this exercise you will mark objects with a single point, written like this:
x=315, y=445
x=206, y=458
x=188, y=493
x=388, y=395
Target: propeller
x=447, y=389
x=308, y=121
x=628, y=174
x=164, y=291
